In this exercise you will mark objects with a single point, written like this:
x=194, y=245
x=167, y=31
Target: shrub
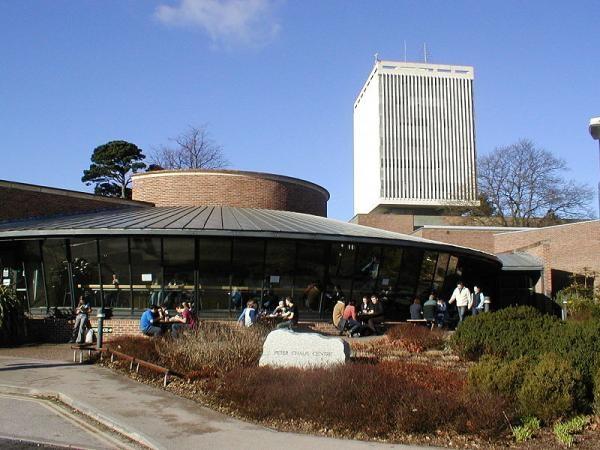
x=550, y=389
x=496, y=376
x=214, y=348
x=416, y=339
x=596, y=391
x=528, y=428
x=564, y=430
x=379, y=400
x=137, y=346
x=12, y=317
x=509, y=333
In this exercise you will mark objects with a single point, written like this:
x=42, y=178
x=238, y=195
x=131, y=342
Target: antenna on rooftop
x=425, y=51
x=404, y=50
x=376, y=57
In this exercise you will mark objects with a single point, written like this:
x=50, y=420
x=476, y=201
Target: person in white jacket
x=463, y=299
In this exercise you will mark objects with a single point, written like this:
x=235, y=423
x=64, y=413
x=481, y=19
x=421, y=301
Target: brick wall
x=230, y=188
x=477, y=239
x=21, y=201
x=398, y=223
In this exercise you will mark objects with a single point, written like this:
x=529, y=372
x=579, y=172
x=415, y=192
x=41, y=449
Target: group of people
x=286, y=311
x=435, y=308
x=156, y=320
x=361, y=322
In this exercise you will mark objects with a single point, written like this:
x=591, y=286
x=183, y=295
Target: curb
x=86, y=410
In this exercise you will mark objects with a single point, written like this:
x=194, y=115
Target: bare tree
x=524, y=185
x=192, y=149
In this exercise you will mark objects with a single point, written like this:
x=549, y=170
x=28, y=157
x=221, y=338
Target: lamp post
x=595, y=132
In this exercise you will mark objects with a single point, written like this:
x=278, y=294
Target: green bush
x=528, y=428
x=509, y=333
x=550, y=389
x=564, y=431
x=492, y=374
x=596, y=391
x=12, y=317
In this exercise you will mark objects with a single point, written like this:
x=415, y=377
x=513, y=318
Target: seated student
x=291, y=315
x=149, y=322
x=338, y=315
x=350, y=317
x=416, y=312
x=248, y=316
x=280, y=310
x=365, y=306
x=441, y=313
x=429, y=308
x=184, y=320
x=376, y=314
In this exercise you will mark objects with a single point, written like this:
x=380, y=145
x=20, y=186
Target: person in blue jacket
x=149, y=322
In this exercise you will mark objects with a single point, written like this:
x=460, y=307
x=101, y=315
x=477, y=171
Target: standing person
x=290, y=316
x=462, y=297
x=236, y=298
x=478, y=301
x=441, y=313
x=248, y=316
x=82, y=322
x=149, y=322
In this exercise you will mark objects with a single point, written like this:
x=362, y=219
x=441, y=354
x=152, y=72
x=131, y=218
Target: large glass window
x=310, y=271
x=341, y=265
x=391, y=267
x=84, y=266
x=427, y=273
x=57, y=276
x=114, y=263
x=367, y=270
x=146, y=271
x=178, y=263
x=214, y=266
x=30, y=254
x=248, y=270
x=409, y=274
x=280, y=259
x=440, y=272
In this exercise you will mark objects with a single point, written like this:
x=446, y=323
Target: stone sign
x=285, y=348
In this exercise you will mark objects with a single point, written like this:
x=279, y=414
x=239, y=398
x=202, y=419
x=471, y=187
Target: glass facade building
x=127, y=260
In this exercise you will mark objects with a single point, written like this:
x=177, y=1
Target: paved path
x=152, y=416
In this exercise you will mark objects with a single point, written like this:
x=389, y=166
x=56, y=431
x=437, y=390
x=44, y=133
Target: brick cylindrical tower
x=230, y=188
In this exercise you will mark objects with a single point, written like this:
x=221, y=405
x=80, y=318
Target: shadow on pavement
x=33, y=366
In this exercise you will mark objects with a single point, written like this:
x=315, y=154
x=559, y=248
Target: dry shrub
x=416, y=339
x=377, y=400
x=137, y=346
x=214, y=349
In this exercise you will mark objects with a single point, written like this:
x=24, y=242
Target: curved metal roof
x=217, y=221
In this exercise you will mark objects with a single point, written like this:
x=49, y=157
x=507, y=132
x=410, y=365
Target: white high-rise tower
x=414, y=138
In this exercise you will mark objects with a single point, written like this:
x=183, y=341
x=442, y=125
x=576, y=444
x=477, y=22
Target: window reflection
x=84, y=266
x=146, y=272
x=56, y=268
x=280, y=258
x=178, y=264
x=310, y=273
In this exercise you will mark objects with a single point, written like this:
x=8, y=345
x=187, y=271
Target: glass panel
x=84, y=264
x=279, y=271
x=178, y=263
x=57, y=277
x=214, y=260
x=452, y=265
x=114, y=262
x=392, y=265
x=30, y=254
x=428, y=266
x=442, y=264
x=146, y=272
x=247, y=270
x=367, y=270
x=407, y=281
x=310, y=272
x=341, y=267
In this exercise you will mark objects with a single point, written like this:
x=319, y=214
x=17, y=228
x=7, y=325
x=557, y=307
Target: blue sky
x=276, y=80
